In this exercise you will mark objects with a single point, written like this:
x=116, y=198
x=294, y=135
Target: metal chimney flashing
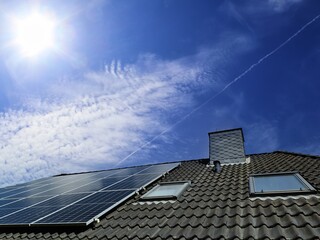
x=227, y=146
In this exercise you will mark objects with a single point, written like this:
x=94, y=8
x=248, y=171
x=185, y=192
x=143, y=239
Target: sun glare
x=34, y=34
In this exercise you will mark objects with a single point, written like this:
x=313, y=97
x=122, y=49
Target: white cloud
x=94, y=122
x=246, y=13
x=282, y=5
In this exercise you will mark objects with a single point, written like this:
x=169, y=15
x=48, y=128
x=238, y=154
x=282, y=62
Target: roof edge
x=198, y=159
x=150, y=164
x=297, y=153
x=286, y=152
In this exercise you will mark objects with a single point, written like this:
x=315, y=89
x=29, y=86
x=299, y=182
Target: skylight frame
x=183, y=187
x=310, y=188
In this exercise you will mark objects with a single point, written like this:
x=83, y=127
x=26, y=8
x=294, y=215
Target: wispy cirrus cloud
x=282, y=5
x=95, y=121
x=252, y=15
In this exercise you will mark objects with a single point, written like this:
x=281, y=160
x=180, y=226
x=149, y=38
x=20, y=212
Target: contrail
x=223, y=89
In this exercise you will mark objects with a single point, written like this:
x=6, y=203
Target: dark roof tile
x=215, y=206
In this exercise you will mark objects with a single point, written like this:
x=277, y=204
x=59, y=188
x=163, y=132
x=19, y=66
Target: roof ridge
x=261, y=153
x=297, y=153
x=150, y=164
x=284, y=151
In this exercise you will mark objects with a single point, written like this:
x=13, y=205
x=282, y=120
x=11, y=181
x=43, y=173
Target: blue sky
x=127, y=73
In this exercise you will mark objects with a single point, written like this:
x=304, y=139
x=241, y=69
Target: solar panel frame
x=38, y=223
x=73, y=216
x=53, y=196
x=45, y=193
x=1, y=217
x=91, y=220
x=123, y=200
x=23, y=202
x=123, y=185
x=26, y=190
x=25, y=216
x=4, y=202
x=98, y=176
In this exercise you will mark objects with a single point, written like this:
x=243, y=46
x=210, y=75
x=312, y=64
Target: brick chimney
x=227, y=146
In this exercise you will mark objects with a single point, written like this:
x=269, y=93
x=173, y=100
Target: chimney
x=227, y=146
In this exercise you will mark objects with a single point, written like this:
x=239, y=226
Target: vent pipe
x=217, y=166
x=226, y=146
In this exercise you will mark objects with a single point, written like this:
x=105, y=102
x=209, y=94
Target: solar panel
x=24, y=202
x=26, y=216
x=133, y=182
x=6, y=201
x=62, y=200
x=76, y=199
x=76, y=214
x=109, y=196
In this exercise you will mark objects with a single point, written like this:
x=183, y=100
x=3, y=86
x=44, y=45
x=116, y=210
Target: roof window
x=278, y=183
x=166, y=190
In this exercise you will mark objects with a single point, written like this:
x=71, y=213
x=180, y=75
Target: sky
x=138, y=82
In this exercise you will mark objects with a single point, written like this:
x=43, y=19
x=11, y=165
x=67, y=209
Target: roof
x=215, y=206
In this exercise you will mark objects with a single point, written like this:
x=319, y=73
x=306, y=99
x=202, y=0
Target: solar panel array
x=76, y=199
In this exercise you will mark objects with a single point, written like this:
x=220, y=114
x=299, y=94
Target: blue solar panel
x=6, y=201
x=161, y=168
x=22, y=203
x=12, y=192
x=6, y=190
x=75, y=199
x=5, y=211
x=98, y=185
x=133, y=182
x=62, y=200
x=74, y=214
x=87, y=208
x=27, y=215
x=102, y=197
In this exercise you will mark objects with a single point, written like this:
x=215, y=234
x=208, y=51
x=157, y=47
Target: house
x=229, y=195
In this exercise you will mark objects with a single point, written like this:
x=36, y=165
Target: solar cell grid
x=133, y=182
x=96, y=186
x=5, y=211
x=90, y=185
x=74, y=199
x=63, y=188
x=75, y=214
x=101, y=197
x=42, y=181
x=29, y=190
x=5, y=190
x=11, y=193
x=27, y=193
x=88, y=188
x=109, y=173
x=161, y=168
x=27, y=215
x=22, y=203
x=35, y=182
x=6, y=201
x=109, y=181
x=131, y=171
x=52, y=192
x=62, y=200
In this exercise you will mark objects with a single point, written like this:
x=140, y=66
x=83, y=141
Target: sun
x=34, y=33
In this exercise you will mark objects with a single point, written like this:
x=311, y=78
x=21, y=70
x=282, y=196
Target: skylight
x=168, y=190
x=278, y=183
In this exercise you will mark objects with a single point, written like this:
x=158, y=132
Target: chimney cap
x=228, y=130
